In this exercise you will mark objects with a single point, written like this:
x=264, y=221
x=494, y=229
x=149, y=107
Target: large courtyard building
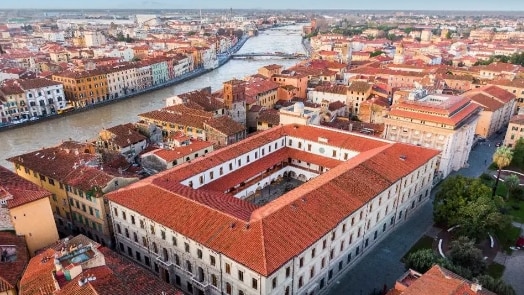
x=443, y=122
x=198, y=228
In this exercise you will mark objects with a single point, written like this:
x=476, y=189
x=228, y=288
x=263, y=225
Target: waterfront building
x=122, y=80
x=159, y=70
x=78, y=179
x=14, y=103
x=198, y=224
x=443, y=122
x=79, y=265
x=26, y=210
x=498, y=105
x=144, y=76
x=43, y=96
x=12, y=262
x=83, y=87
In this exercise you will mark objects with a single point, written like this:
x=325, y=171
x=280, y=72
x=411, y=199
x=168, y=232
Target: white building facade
x=187, y=260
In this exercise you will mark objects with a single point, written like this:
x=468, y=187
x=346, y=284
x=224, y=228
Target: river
x=86, y=125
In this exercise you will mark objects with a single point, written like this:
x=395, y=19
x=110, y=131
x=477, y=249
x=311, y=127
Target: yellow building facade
x=29, y=210
x=83, y=88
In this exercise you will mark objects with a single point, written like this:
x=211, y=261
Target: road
x=382, y=264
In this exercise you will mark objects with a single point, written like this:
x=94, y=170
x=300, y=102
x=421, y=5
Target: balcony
x=163, y=262
x=183, y=271
x=202, y=285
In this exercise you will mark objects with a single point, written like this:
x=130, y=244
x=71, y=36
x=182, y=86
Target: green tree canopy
x=421, y=260
x=518, y=154
x=467, y=202
x=464, y=253
x=502, y=158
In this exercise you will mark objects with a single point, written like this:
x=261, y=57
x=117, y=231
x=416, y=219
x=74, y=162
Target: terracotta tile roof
x=11, y=271
x=488, y=103
x=265, y=238
x=495, y=91
x=202, y=98
x=174, y=118
x=336, y=105
x=70, y=164
x=359, y=86
x=117, y=277
x=225, y=125
x=269, y=116
x=22, y=191
x=501, y=67
x=439, y=280
x=258, y=86
x=337, y=89
x=75, y=74
x=125, y=135
x=181, y=152
x=37, y=278
x=36, y=83
x=455, y=120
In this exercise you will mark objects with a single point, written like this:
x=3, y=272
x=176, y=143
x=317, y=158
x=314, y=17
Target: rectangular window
x=186, y=247
x=288, y=272
x=228, y=268
x=254, y=283
x=212, y=260
x=240, y=276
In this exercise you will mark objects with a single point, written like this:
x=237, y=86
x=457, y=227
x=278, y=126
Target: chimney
x=476, y=287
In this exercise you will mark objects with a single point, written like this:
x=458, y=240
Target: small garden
x=476, y=223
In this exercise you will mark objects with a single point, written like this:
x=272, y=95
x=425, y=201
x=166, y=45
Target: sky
x=506, y=5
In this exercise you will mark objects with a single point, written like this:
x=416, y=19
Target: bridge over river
x=283, y=55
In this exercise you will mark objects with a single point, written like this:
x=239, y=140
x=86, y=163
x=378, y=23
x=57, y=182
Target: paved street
x=382, y=264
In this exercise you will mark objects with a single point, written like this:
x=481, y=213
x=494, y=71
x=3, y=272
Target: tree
x=518, y=154
x=376, y=53
x=455, y=192
x=512, y=183
x=481, y=216
x=464, y=253
x=502, y=158
x=495, y=285
x=421, y=260
x=468, y=202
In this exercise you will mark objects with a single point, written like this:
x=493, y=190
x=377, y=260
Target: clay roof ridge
x=198, y=202
x=296, y=194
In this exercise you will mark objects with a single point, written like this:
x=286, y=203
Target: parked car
x=499, y=144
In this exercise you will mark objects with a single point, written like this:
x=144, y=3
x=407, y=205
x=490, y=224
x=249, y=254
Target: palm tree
x=502, y=158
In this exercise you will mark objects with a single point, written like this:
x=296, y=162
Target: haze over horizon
x=466, y=5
